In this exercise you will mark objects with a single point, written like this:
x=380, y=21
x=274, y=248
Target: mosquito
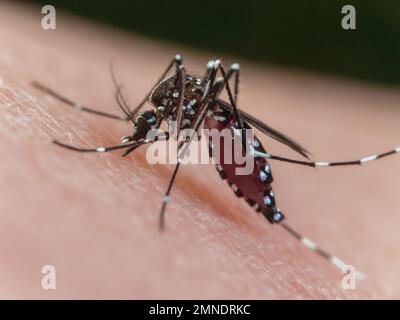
x=193, y=101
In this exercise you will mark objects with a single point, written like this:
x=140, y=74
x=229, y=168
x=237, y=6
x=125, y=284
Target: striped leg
x=181, y=72
x=209, y=68
x=102, y=149
x=177, y=60
x=209, y=94
x=307, y=242
x=74, y=104
x=327, y=164
x=234, y=70
x=166, y=195
x=338, y=263
x=181, y=96
x=232, y=99
x=126, y=139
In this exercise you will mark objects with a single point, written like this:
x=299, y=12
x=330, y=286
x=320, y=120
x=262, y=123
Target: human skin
x=95, y=216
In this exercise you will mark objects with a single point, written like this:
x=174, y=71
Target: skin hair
x=95, y=216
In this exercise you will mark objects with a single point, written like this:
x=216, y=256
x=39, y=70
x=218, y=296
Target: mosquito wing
x=266, y=129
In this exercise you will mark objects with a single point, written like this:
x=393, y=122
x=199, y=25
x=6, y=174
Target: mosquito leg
x=177, y=61
x=166, y=135
x=210, y=93
x=166, y=195
x=181, y=83
x=181, y=96
x=231, y=97
x=74, y=104
x=328, y=164
x=181, y=89
x=195, y=126
x=234, y=70
x=102, y=149
x=209, y=68
x=338, y=263
x=224, y=82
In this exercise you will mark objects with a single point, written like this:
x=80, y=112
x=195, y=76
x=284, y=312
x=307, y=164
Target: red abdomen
x=255, y=187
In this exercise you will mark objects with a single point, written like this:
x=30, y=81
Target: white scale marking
x=267, y=201
x=370, y=158
x=219, y=118
x=185, y=122
x=271, y=193
x=210, y=64
x=322, y=164
x=309, y=244
x=337, y=262
x=166, y=199
x=397, y=149
x=101, y=149
x=235, y=66
x=260, y=154
x=263, y=176
x=341, y=265
x=78, y=106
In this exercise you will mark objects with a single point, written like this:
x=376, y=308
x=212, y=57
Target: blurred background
x=304, y=34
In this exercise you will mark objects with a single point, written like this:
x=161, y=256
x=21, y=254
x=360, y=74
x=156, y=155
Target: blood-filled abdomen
x=254, y=187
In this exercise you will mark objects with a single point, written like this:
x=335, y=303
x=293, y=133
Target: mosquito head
x=143, y=123
x=165, y=95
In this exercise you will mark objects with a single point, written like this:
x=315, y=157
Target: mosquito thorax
x=165, y=95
